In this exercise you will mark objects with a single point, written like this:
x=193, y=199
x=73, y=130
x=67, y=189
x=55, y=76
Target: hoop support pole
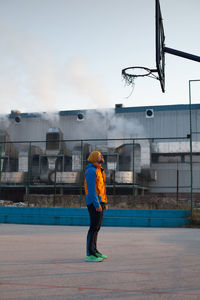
x=182, y=54
x=154, y=70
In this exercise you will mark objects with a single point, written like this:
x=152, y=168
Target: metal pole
x=191, y=166
x=177, y=185
x=29, y=174
x=133, y=174
x=81, y=173
x=0, y=167
x=54, y=187
x=182, y=54
x=191, y=175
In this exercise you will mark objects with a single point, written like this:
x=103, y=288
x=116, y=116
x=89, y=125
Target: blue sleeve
x=91, y=186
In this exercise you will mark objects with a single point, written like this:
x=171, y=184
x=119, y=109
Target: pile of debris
x=11, y=203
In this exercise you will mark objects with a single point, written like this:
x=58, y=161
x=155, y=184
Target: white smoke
x=31, y=80
x=117, y=125
x=52, y=118
x=107, y=124
x=122, y=127
x=86, y=84
x=28, y=76
x=4, y=122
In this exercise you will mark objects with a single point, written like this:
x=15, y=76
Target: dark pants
x=95, y=225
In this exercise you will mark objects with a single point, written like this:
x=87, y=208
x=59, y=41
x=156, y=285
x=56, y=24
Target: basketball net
x=131, y=73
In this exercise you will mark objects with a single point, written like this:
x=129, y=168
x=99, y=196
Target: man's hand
x=106, y=207
x=99, y=209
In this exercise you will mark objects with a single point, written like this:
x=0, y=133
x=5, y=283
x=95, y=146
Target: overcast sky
x=68, y=54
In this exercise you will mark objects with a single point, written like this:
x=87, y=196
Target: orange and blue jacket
x=95, y=190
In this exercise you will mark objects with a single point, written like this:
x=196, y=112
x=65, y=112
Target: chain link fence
x=140, y=173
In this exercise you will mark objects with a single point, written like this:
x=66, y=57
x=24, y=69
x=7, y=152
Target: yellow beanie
x=93, y=156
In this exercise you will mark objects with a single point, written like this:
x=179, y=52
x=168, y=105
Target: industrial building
x=146, y=149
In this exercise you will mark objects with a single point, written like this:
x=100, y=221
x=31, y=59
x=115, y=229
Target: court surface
x=47, y=262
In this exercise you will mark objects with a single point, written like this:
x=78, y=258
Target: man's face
x=100, y=159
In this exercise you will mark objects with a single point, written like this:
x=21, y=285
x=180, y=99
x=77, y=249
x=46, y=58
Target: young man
x=96, y=201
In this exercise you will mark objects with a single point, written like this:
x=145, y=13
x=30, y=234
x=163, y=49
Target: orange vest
x=100, y=184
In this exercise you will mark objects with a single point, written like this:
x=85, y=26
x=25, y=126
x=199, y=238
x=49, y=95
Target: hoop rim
x=148, y=71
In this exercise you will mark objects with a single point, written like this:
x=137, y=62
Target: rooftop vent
x=16, y=114
x=120, y=105
x=80, y=117
x=149, y=113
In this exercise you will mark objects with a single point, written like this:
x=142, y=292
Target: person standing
x=96, y=200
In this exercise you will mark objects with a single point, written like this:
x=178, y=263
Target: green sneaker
x=98, y=254
x=92, y=258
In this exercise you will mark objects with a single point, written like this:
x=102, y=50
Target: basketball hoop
x=131, y=73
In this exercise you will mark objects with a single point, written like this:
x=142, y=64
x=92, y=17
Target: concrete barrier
x=80, y=217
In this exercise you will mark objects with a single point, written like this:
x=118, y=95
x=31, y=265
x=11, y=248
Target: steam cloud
x=28, y=77
x=52, y=118
x=106, y=124
x=30, y=80
x=87, y=84
x=4, y=122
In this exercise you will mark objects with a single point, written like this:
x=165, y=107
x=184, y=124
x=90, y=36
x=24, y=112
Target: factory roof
x=119, y=109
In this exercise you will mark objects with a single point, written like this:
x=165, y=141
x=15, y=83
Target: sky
x=68, y=54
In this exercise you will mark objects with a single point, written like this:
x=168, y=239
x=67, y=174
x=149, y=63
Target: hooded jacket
x=95, y=190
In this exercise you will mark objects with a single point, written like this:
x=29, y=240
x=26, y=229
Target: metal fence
x=140, y=173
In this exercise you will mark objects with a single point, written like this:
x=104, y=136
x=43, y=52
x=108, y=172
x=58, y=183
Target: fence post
x=29, y=174
x=0, y=167
x=54, y=197
x=177, y=186
x=191, y=169
x=81, y=176
x=133, y=194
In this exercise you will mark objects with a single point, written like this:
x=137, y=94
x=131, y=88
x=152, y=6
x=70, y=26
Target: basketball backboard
x=131, y=73
x=160, y=45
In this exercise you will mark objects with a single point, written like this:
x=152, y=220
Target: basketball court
x=48, y=262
